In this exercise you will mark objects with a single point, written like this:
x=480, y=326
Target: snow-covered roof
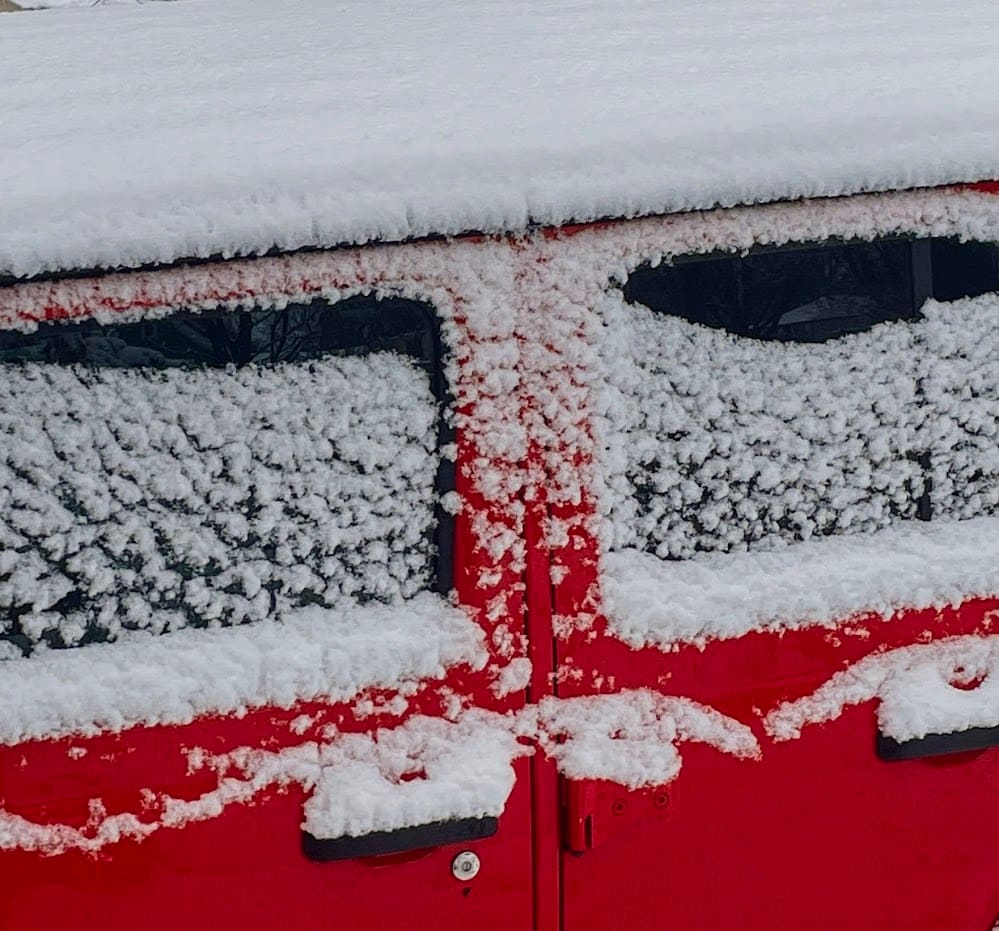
x=144, y=134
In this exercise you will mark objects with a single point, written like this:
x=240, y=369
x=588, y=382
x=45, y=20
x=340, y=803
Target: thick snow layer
x=725, y=442
x=426, y=770
x=317, y=123
x=630, y=737
x=314, y=653
x=651, y=601
x=155, y=500
x=938, y=688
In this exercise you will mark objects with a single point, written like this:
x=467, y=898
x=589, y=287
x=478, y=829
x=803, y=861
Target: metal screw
x=465, y=866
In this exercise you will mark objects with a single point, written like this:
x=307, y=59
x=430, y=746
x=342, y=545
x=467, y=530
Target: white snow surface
x=937, y=688
x=142, y=499
x=656, y=602
x=144, y=139
x=314, y=653
x=427, y=770
x=631, y=737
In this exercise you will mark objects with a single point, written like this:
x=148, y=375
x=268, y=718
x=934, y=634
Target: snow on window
x=937, y=688
x=959, y=366
x=728, y=442
x=135, y=496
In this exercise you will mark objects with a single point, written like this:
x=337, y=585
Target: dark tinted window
x=296, y=333
x=814, y=293
x=964, y=269
x=803, y=293
x=214, y=469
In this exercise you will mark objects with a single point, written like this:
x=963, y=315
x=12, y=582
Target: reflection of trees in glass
x=855, y=284
x=294, y=333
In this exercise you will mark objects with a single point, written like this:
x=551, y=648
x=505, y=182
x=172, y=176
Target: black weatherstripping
x=380, y=843
x=966, y=741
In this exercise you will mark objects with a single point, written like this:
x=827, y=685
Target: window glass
x=796, y=393
x=964, y=269
x=807, y=294
x=216, y=469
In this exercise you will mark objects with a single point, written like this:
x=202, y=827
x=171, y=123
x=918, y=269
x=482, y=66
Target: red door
x=207, y=819
x=743, y=743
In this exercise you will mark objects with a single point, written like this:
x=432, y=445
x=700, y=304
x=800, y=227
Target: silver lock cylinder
x=465, y=866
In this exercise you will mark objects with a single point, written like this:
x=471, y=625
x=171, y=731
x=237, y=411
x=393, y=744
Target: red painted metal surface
x=244, y=869
x=817, y=834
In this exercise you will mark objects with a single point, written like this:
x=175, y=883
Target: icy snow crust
x=317, y=123
x=156, y=500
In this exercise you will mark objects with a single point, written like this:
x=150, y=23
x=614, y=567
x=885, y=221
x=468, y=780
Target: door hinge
x=595, y=810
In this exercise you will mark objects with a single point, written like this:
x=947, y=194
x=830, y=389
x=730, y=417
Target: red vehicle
x=630, y=573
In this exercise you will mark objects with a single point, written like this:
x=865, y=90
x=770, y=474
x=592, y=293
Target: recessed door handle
x=379, y=843
x=974, y=738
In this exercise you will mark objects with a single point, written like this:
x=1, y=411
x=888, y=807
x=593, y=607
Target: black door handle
x=378, y=843
x=974, y=738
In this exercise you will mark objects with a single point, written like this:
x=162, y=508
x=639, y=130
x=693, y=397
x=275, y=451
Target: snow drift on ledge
x=934, y=688
x=317, y=123
x=317, y=653
x=654, y=602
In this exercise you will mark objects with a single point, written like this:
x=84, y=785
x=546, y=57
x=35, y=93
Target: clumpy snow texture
x=427, y=770
x=156, y=500
x=728, y=442
x=814, y=458
x=722, y=442
x=318, y=123
x=631, y=737
x=313, y=653
x=651, y=601
x=939, y=688
x=960, y=378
